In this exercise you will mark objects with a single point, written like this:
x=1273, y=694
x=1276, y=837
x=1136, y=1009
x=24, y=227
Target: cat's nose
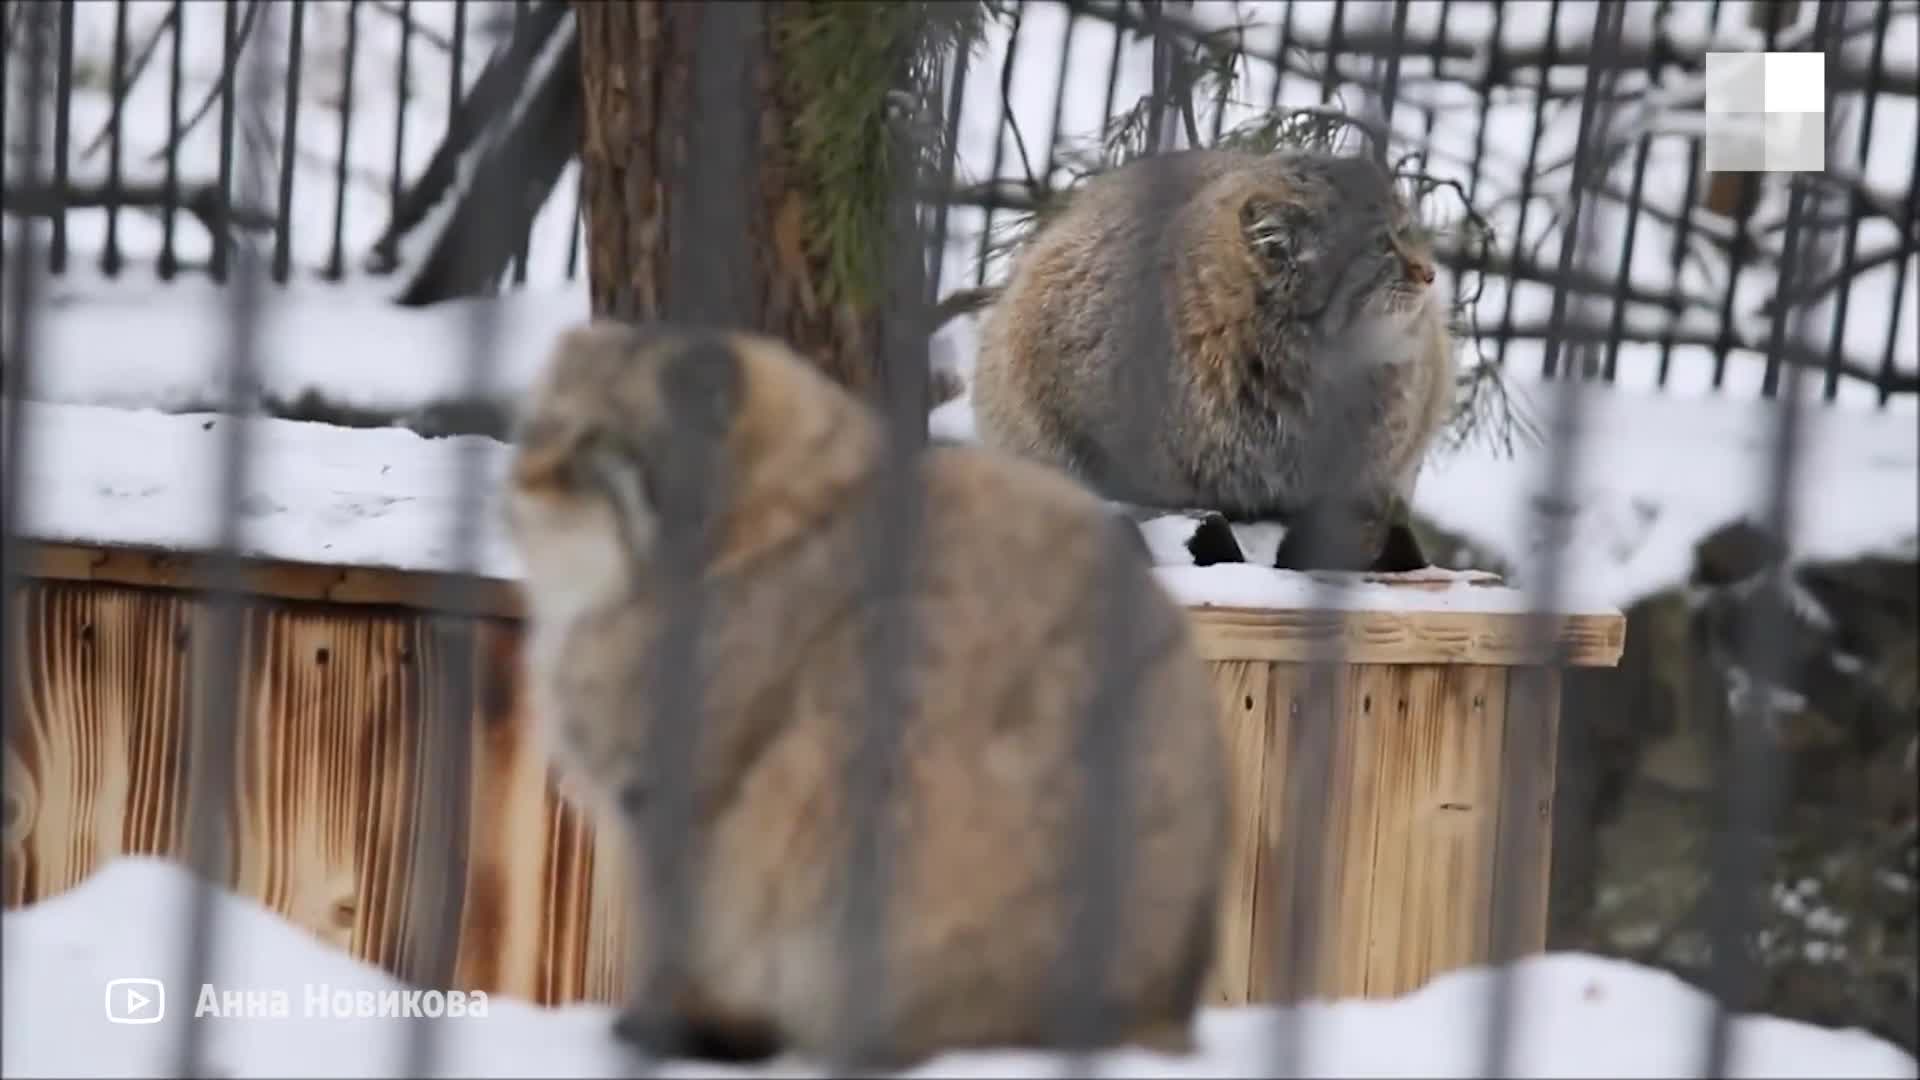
x=1421, y=271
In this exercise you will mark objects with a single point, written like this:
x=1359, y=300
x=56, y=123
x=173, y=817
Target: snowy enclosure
x=1585, y=1016
x=350, y=517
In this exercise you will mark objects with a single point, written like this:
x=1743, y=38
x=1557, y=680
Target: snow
x=147, y=345
x=1577, y=1015
x=1252, y=585
x=318, y=493
x=1658, y=472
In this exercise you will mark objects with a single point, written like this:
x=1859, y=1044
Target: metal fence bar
x=170, y=191
x=1434, y=56
x=1622, y=279
x=223, y=213
x=1059, y=99
x=709, y=287
x=1330, y=76
x=1390, y=91
x=1740, y=257
x=289, y=143
x=110, y=253
x=1518, y=251
x=1000, y=138
x=337, y=260
x=456, y=61
x=438, y=855
x=1749, y=781
x=1546, y=586
x=520, y=250
x=1901, y=268
x=62, y=134
x=403, y=95
x=1877, y=68
x=215, y=687
x=24, y=284
x=893, y=534
x=1316, y=716
x=1106, y=734
x=1683, y=234
x=1476, y=163
x=578, y=227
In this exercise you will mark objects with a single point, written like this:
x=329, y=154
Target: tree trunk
x=658, y=78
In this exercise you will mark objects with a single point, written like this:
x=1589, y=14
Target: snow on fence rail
x=343, y=741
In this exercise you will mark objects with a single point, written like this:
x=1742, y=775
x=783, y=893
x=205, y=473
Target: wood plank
x=504, y=932
x=95, y=765
x=1436, y=817
x=348, y=715
x=415, y=590
x=1503, y=639
x=1245, y=718
x=1309, y=800
x=327, y=706
x=1351, y=823
x=1530, y=734
x=1414, y=636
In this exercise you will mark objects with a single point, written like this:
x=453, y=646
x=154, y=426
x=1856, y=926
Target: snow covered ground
x=1658, y=473
x=1579, y=1015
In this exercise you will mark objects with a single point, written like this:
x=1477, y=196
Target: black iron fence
x=381, y=111
x=1387, y=68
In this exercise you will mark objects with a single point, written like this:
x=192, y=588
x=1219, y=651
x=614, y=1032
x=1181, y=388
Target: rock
x=1641, y=750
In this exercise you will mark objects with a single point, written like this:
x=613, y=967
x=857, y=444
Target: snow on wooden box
x=1442, y=749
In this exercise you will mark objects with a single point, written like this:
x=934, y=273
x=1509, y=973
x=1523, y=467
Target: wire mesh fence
x=464, y=214
x=381, y=111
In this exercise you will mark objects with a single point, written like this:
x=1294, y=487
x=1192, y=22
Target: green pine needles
x=839, y=61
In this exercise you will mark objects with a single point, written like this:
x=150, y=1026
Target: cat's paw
x=1213, y=542
x=1401, y=553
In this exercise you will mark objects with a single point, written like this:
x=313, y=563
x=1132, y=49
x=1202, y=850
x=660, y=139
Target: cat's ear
x=1275, y=230
x=702, y=386
x=702, y=389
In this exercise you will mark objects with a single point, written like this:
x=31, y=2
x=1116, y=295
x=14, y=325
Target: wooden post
x=1443, y=756
x=340, y=673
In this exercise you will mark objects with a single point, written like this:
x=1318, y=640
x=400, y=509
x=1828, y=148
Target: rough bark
x=636, y=74
x=623, y=62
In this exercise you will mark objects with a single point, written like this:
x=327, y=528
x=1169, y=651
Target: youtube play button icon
x=136, y=1001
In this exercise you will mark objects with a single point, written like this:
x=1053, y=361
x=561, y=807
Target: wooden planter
x=345, y=677
x=1442, y=763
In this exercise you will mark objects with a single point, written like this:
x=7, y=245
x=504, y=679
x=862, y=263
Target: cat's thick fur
x=1233, y=294
x=1005, y=601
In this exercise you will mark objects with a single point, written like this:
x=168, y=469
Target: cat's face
x=616, y=436
x=1339, y=243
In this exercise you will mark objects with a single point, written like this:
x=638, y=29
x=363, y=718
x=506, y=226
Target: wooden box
x=347, y=677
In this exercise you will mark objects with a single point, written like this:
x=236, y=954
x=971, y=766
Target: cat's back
x=1140, y=265
x=1112, y=238
x=1021, y=565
